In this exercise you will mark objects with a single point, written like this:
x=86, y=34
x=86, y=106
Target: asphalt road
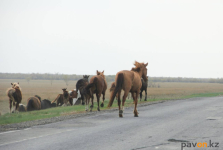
x=162, y=126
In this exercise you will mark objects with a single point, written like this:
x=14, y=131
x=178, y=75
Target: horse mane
x=38, y=97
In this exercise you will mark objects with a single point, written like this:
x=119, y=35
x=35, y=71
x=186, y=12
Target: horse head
x=85, y=77
x=15, y=85
x=101, y=73
x=141, y=69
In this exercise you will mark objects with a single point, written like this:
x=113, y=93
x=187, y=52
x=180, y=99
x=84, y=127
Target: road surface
x=163, y=126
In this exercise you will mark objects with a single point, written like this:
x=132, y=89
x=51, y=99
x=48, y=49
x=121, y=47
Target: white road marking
x=14, y=131
x=36, y=137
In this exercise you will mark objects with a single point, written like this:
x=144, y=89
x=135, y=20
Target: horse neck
x=18, y=92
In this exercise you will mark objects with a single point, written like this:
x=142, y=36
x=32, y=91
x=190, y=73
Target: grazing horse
x=144, y=88
x=129, y=81
x=66, y=97
x=74, y=96
x=62, y=99
x=47, y=104
x=80, y=85
x=97, y=85
x=15, y=96
x=33, y=103
x=59, y=100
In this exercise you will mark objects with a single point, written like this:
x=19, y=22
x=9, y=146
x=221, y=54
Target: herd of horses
x=132, y=81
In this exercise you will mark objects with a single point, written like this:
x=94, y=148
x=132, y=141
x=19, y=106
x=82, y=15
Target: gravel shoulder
x=28, y=124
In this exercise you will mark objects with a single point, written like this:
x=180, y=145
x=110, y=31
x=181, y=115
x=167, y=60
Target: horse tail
x=118, y=87
x=30, y=105
x=94, y=83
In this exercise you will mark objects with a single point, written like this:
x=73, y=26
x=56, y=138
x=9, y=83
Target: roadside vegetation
x=47, y=90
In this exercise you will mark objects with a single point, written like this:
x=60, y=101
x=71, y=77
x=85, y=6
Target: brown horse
x=129, y=81
x=62, y=99
x=112, y=89
x=15, y=96
x=97, y=85
x=33, y=103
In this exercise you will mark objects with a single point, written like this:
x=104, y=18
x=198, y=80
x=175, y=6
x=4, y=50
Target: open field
x=43, y=88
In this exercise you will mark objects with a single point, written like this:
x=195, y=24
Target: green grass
x=59, y=111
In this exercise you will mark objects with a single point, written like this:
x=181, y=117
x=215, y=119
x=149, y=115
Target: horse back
x=131, y=81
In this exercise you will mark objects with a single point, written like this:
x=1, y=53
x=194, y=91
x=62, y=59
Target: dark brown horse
x=33, y=103
x=66, y=97
x=15, y=96
x=80, y=85
x=144, y=88
x=97, y=85
x=85, y=94
x=129, y=81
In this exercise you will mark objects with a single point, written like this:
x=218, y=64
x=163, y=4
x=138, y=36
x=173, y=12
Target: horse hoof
x=120, y=116
x=145, y=100
x=91, y=106
x=98, y=109
x=83, y=103
x=136, y=115
x=102, y=104
x=120, y=111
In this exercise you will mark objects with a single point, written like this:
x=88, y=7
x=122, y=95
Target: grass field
x=43, y=88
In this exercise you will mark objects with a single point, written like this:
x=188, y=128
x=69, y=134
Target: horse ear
x=103, y=71
x=146, y=64
x=11, y=84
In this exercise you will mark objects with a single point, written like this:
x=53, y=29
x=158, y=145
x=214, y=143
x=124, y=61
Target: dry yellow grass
x=43, y=88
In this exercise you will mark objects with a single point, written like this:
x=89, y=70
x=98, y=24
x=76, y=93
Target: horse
x=80, y=85
x=112, y=89
x=66, y=97
x=97, y=85
x=144, y=88
x=15, y=96
x=84, y=93
x=33, y=103
x=58, y=100
x=129, y=81
x=22, y=108
x=47, y=104
x=74, y=96
x=62, y=99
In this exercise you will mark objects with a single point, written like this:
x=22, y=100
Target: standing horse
x=33, y=103
x=15, y=96
x=144, y=88
x=97, y=85
x=129, y=81
x=80, y=85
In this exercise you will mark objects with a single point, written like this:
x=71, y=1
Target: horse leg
x=119, y=105
x=123, y=101
x=135, y=108
x=146, y=95
x=102, y=104
x=17, y=107
x=140, y=95
x=82, y=99
x=10, y=104
x=92, y=102
x=98, y=100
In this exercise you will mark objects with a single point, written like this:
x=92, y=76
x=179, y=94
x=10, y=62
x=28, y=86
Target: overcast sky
x=178, y=38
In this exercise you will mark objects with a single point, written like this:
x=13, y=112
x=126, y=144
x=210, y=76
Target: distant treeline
x=109, y=78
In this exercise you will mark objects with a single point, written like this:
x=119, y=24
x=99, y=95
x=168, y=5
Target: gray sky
x=178, y=38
